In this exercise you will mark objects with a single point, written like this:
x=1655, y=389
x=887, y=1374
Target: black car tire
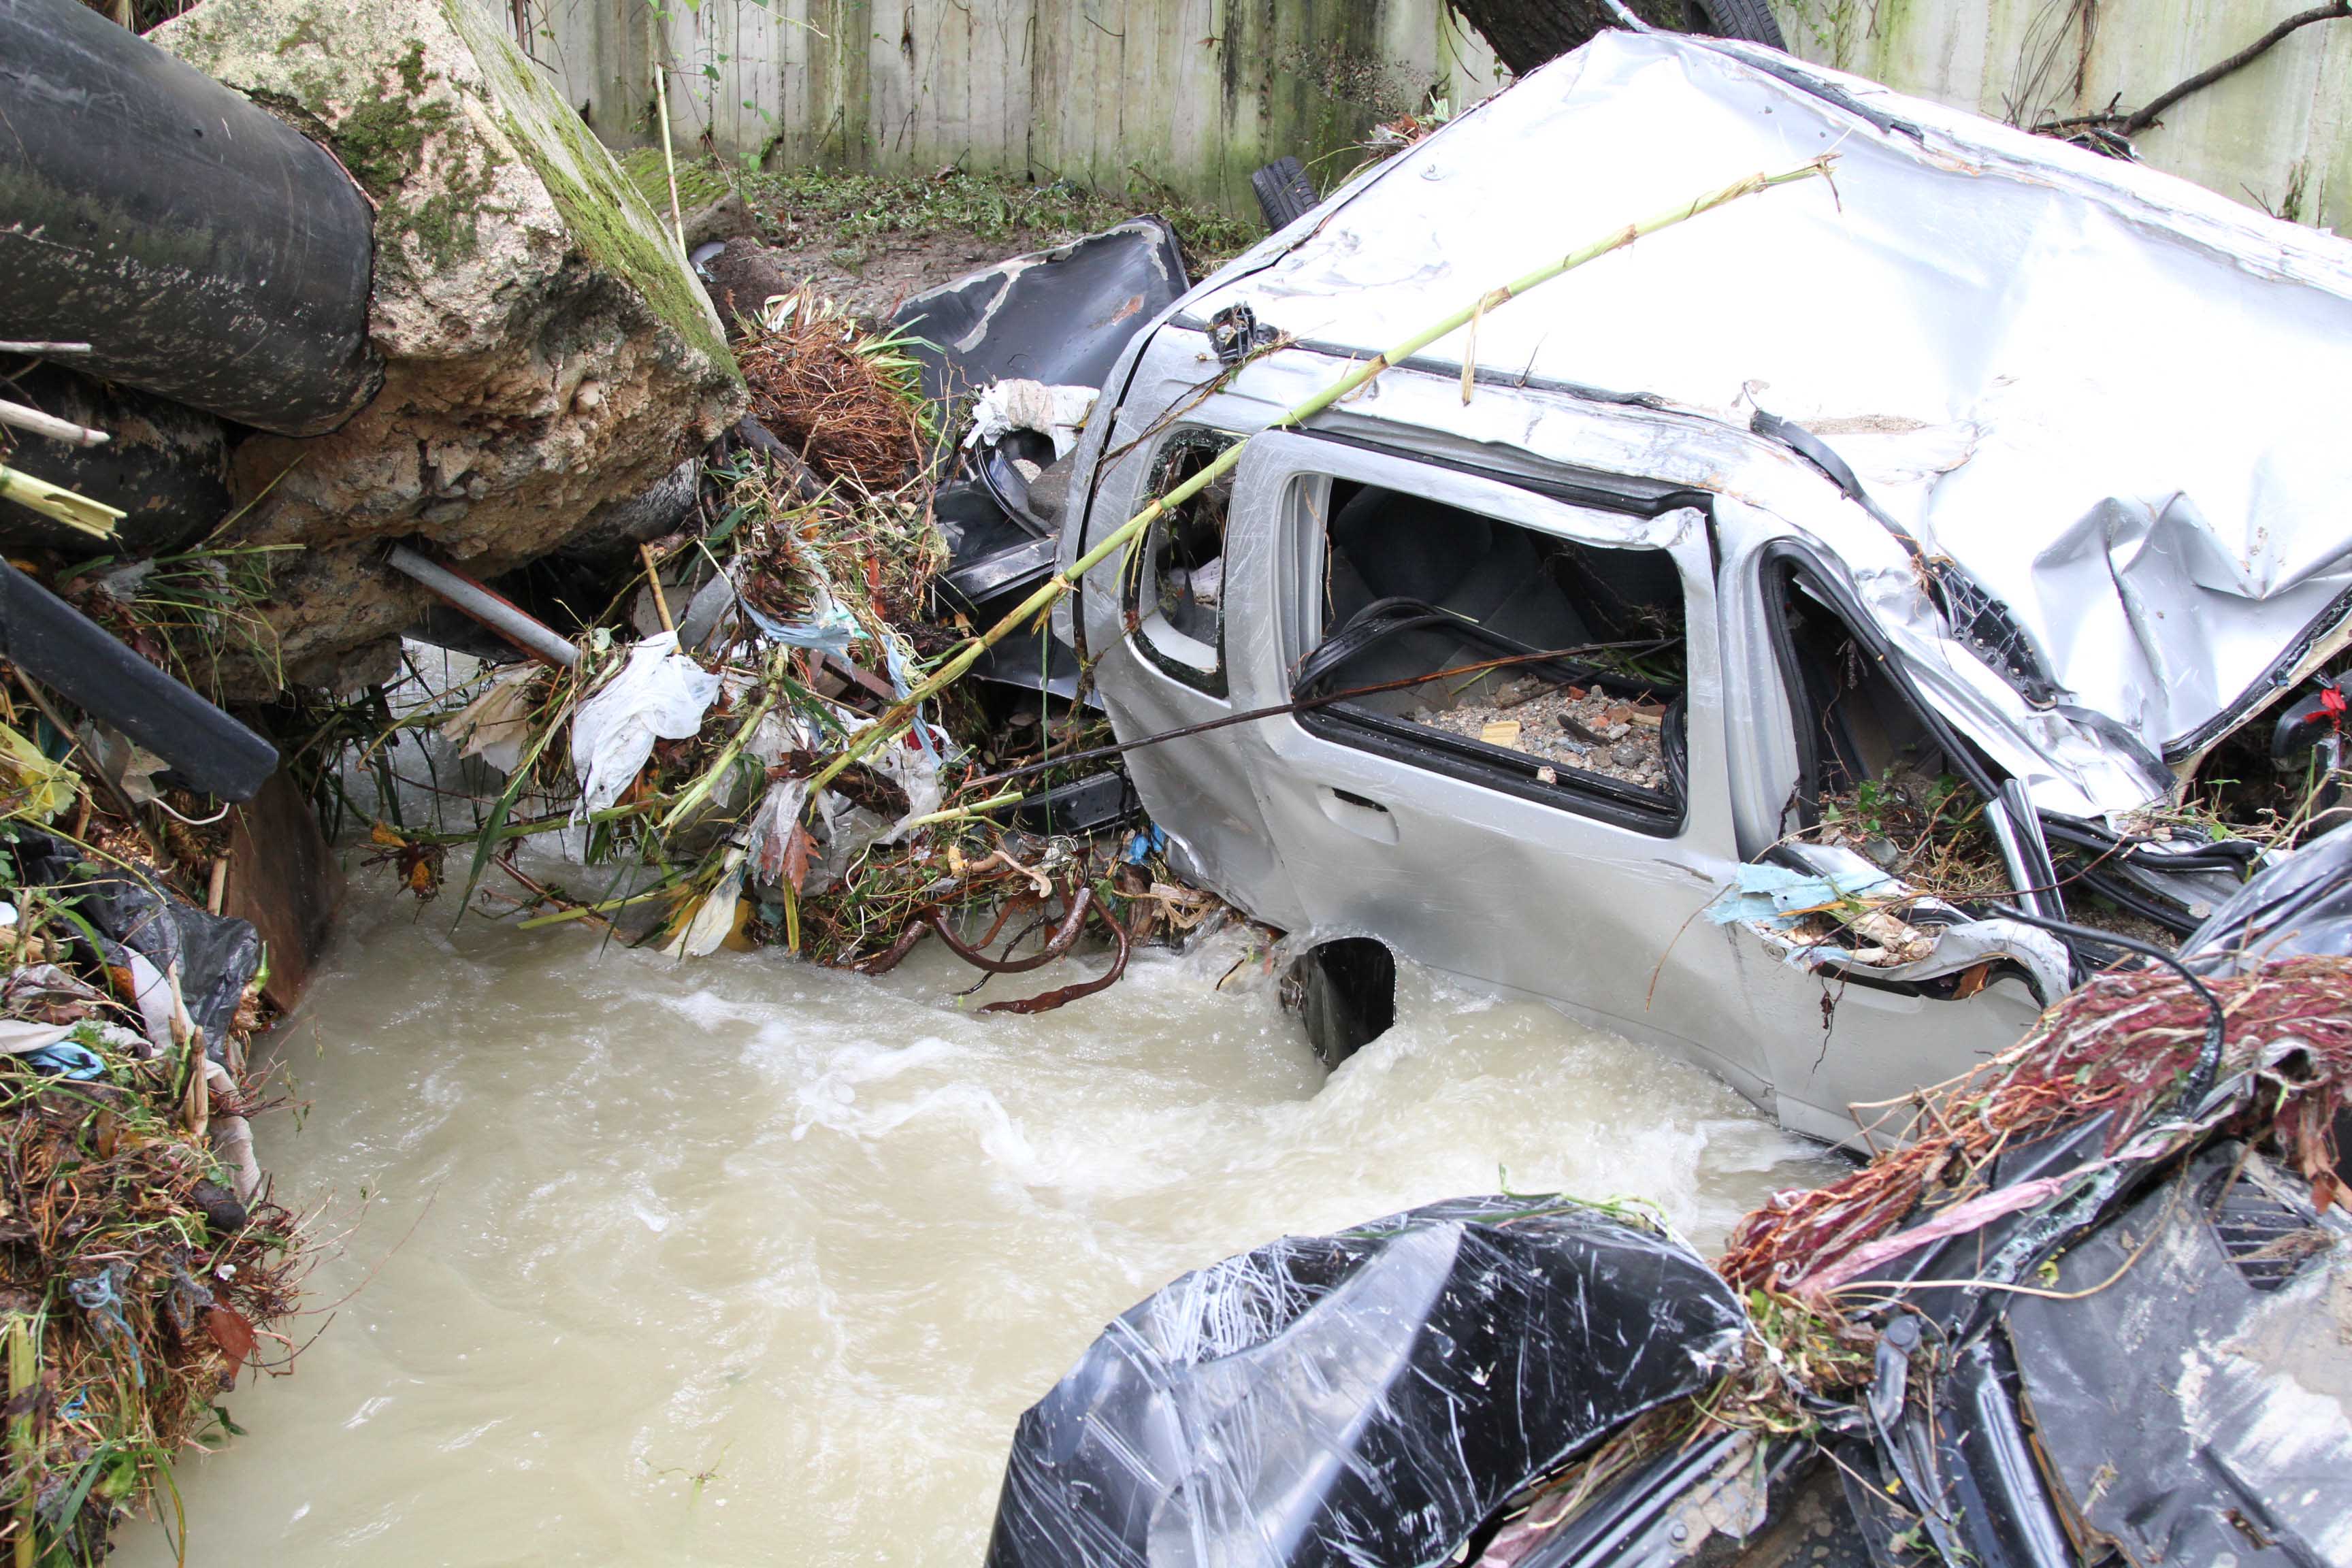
x=1285, y=194
x=1748, y=19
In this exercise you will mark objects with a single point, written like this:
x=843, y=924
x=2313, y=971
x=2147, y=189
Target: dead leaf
x=796, y=856
x=233, y=1335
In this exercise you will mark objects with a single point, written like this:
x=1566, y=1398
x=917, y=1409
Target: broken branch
x=94, y=518
x=2146, y=116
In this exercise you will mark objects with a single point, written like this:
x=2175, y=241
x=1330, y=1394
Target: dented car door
x=1539, y=863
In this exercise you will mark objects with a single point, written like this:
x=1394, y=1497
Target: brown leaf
x=232, y=1333
x=796, y=856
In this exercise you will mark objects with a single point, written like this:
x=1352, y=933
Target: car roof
x=2110, y=396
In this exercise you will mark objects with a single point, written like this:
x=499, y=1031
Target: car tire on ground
x=1285, y=194
x=1748, y=19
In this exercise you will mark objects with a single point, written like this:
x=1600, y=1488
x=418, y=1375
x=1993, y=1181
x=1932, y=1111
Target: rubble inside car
x=1580, y=727
x=2085, y=1306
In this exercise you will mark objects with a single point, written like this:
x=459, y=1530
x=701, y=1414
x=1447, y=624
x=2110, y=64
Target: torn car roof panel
x=2104, y=393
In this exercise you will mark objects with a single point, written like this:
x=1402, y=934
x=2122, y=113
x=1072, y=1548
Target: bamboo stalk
x=24, y=1376
x=653, y=581
x=582, y=911
x=700, y=789
x=894, y=720
x=654, y=41
x=965, y=812
x=49, y=424
x=91, y=516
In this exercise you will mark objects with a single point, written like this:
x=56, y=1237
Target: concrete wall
x=1193, y=94
x=2278, y=133
x=1188, y=94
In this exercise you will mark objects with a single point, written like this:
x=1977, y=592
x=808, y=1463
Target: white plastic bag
x=714, y=918
x=660, y=694
x=496, y=725
x=1055, y=411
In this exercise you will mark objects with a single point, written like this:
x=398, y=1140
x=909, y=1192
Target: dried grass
x=2120, y=1046
x=843, y=401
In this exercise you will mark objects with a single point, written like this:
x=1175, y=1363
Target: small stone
x=1627, y=755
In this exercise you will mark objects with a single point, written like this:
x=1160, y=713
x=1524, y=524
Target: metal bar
x=462, y=592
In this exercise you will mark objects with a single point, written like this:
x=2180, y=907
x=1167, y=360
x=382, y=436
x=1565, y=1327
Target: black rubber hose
x=204, y=249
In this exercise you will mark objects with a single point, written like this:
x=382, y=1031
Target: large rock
x=549, y=354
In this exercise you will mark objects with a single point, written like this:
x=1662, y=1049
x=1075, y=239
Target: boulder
x=549, y=354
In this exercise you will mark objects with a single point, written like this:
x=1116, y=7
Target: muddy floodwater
x=746, y=1262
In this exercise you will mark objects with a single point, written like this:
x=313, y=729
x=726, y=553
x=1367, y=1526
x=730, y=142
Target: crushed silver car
x=1743, y=642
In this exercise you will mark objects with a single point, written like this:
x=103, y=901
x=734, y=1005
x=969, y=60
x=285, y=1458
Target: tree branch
x=2140, y=119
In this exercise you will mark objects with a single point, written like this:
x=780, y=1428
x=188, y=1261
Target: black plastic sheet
x=217, y=955
x=1366, y=1397
x=2199, y=1408
x=2302, y=905
x=1061, y=316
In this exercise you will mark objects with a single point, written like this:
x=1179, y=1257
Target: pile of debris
x=2088, y=1302
x=1577, y=726
x=687, y=732
x=143, y=1261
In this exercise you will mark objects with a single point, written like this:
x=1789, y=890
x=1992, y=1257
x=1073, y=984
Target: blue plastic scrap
x=1143, y=844
x=67, y=1059
x=829, y=628
x=1778, y=896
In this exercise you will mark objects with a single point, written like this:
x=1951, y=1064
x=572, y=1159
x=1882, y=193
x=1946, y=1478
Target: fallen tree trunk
x=204, y=250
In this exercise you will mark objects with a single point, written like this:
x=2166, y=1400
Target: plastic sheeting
x=659, y=694
x=155, y=937
x=1365, y=1397
x=1060, y=316
x=2192, y=1389
x=1053, y=412
x=2302, y=905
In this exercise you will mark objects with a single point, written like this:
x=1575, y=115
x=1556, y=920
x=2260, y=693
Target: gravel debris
x=1579, y=727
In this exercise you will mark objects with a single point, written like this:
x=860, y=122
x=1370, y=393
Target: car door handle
x=1361, y=816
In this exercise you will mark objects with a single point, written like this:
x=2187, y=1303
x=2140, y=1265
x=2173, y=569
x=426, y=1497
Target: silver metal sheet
x=2108, y=393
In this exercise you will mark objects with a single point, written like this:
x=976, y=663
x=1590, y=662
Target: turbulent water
x=745, y=1262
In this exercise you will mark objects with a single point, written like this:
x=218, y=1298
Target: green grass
x=866, y=211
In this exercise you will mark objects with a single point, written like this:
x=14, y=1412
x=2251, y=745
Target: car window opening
x=1413, y=587
x=1872, y=777
x=1178, y=592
